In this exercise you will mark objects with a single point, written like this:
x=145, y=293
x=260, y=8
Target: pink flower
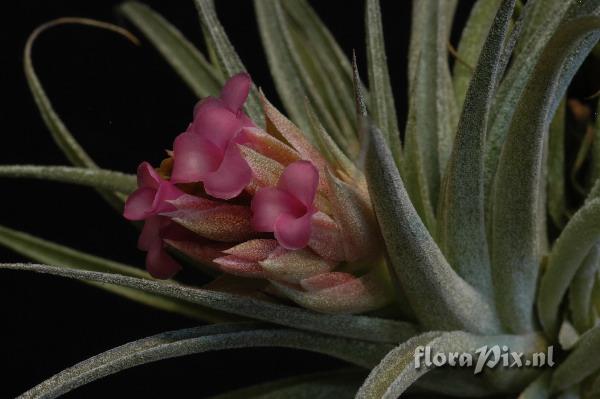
x=147, y=203
x=287, y=209
x=208, y=151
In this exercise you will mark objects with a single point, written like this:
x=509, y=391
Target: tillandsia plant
x=473, y=231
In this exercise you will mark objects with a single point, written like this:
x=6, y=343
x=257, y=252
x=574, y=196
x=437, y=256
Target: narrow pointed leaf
x=557, y=207
x=184, y=57
x=60, y=133
x=397, y=371
x=190, y=341
x=582, y=362
x=229, y=61
x=418, y=263
x=567, y=256
x=96, y=178
x=515, y=223
x=48, y=252
x=358, y=327
x=383, y=108
x=462, y=217
x=470, y=45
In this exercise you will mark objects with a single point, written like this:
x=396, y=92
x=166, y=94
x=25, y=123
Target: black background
x=124, y=104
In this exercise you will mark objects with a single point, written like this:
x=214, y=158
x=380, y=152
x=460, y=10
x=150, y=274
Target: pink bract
x=287, y=209
x=208, y=151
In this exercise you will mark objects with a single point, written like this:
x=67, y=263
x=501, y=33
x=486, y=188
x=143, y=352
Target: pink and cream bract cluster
x=260, y=204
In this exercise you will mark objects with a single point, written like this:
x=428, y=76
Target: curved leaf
x=515, y=239
x=358, y=327
x=462, y=218
x=48, y=252
x=580, y=292
x=557, y=207
x=60, y=133
x=398, y=370
x=96, y=178
x=567, y=256
x=187, y=61
x=538, y=389
x=383, y=108
x=450, y=303
x=229, y=61
x=197, y=340
x=582, y=362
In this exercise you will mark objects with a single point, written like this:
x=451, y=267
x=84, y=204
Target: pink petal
x=235, y=91
x=300, y=179
x=231, y=178
x=194, y=158
x=216, y=123
x=147, y=176
x=160, y=264
x=268, y=204
x=139, y=204
x=326, y=280
x=291, y=232
x=151, y=232
x=166, y=192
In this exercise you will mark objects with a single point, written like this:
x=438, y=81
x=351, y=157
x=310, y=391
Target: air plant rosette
x=343, y=239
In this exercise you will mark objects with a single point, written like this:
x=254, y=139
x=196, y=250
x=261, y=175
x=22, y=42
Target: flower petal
x=216, y=123
x=160, y=264
x=139, y=204
x=194, y=158
x=147, y=176
x=268, y=204
x=291, y=232
x=300, y=179
x=151, y=232
x=166, y=192
x=231, y=178
x=235, y=91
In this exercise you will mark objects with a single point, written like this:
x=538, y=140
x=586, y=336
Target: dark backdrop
x=125, y=105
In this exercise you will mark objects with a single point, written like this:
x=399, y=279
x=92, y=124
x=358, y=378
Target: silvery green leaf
x=567, y=335
x=519, y=74
x=190, y=341
x=461, y=221
x=580, y=292
x=430, y=87
x=60, y=133
x=48, y=252
x=516, y=195
x=383, y=108
x=581, y=362
x=470, y=45
x=596, y=147
x=97, y=178
x=229, y=61
x=557, y=207
x=184, y=57
x=419, y=265
x=358, y=327
x=578, y=237
x=341, y=384
x=398, y=369
x=539, y=388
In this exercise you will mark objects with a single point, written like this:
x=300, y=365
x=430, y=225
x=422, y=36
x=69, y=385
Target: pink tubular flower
x=287, y=209
x=147, y=203
x=208, y=151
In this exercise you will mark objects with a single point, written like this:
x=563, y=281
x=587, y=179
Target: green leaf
x=229, y=61
x=450, y=302
x=596, y=147
x=567, y=257
x=582, y=362
x=383, y=108
x=48, y=252
x=398, y=370
x=60, y=133
x=430, y=83
x=557, y=206
x=183, y=56
x=462, y=217
x=96, y=178
x=471, y=42
x=190, y=341
x=538, y=389
x=516, y=196
x=358, y=327
x=341, y=384
x=580, y=292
